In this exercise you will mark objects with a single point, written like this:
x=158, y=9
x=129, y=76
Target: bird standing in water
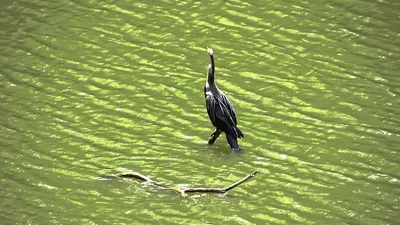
x=220, y=110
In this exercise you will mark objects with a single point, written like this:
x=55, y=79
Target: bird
x=220, y=109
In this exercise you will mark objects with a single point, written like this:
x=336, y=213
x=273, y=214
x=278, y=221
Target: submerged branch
x=241, y=181
x=184, y=191
x=135, y=175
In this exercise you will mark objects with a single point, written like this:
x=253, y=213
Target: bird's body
x=220, y=110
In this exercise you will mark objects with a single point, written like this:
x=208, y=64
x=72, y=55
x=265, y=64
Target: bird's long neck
x=211, y=71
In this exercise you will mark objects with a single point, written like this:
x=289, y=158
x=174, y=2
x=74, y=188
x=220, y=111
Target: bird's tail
x=239, y=132
x=232, y=140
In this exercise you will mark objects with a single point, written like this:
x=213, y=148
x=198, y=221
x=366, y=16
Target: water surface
x=90, y=89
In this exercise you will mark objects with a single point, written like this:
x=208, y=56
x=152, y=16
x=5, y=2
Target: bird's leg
x=232, y=140
x=214, y=136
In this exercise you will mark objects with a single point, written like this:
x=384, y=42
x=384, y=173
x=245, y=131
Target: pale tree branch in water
x=184, y=191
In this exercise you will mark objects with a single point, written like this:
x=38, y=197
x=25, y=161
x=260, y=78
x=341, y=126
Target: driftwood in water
x=184, y=191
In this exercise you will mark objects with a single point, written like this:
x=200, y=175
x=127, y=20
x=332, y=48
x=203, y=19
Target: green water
x=93, y=88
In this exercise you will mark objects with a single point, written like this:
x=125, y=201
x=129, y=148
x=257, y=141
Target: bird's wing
x=229, y=116
x=225, y=116
x=228, y=110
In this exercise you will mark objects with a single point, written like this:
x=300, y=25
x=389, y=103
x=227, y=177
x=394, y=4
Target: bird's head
x=210, y=51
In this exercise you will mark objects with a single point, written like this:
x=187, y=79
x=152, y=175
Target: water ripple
x=90, y=89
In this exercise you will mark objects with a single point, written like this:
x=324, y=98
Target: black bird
x=220, y=110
